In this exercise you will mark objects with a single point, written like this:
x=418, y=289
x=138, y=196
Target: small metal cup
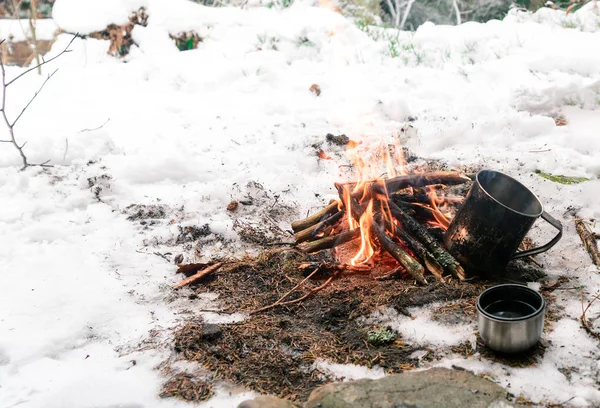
x=511, y=317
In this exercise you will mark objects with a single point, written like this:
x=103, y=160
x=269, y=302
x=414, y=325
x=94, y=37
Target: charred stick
x=315, y=218
x=330, y=241
x=441, y=255
x=312, y=232
x=419, y=180
x=349, y=201
x=448, y=178
x=424, y=198
x=414, y=268
x=420, y=251
x=416, y=210
x=588, y=239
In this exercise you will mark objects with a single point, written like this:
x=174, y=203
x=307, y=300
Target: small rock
x=267, y=402
x=178, y=259
x=211, y=331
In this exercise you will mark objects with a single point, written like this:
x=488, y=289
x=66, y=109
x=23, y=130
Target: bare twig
x=10, y=125
x=300, y=299
x=44, y=62
x=96, y=128
x=198, y=275
x=278, y=302
x=583, y=318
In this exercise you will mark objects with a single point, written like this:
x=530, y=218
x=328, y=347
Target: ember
x=397, y=214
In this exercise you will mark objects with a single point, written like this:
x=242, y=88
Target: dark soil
x=273, y=352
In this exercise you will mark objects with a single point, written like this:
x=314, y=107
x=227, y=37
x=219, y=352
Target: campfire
x=401, y=214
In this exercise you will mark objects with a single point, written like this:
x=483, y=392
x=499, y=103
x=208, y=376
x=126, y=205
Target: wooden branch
x=420, y=251
x=344, y=193
x=199, y=275
x=392, y=185
x=419, y=180
x=583, y=319
x=330, y=241
x=416, y=210
x=414, y=268
x=190, y=269
x=333, y=267
x=311, y=233
x=408, y=262
x=425, y=199
x=441, y=255
x=588, y=240
x=315, y=218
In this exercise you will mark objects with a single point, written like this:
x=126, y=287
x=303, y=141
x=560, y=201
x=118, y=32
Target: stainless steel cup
x=511, y=317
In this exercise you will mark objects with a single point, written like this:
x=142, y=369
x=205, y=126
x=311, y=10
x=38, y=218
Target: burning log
x=449, y=178
x=414, y=268
x=314, y=231
x=388, y=221
x=330, y=241
x=315, y=218
x=422, y=198
x=393, y=184
x=441, y=255
x=589, y=240
x=421, y=252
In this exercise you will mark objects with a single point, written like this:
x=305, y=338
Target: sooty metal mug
x=492, y=222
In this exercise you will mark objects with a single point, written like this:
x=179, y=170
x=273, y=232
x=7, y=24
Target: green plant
x=380, y=336
x=559, y=178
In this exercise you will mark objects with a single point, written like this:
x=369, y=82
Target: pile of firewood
x=405, y=223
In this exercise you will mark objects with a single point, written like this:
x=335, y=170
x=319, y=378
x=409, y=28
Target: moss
x=380, y=336
x=559, y=178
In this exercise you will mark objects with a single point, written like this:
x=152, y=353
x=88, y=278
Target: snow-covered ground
x=83, y=297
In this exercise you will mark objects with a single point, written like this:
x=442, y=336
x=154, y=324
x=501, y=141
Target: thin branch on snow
x=44, y=62
x=10, y=125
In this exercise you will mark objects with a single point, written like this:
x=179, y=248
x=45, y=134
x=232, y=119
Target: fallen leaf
x=232, y=206
x=316, y=89
x=323, y=155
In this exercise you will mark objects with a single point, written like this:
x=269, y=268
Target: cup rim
x=504, y=205
x=489, y=316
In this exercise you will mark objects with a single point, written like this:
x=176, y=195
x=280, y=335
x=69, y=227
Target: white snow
x=347, y=372
x=420, y=328
x=235, y=118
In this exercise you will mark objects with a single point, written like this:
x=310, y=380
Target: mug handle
x=534, y=251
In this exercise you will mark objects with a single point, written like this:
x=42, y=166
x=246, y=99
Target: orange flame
x=366, y=250
x=371, y=165
x=437, y=214
x=352, y=224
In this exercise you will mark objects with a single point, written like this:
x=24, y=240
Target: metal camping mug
x=511, y=317
x=492, y=222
